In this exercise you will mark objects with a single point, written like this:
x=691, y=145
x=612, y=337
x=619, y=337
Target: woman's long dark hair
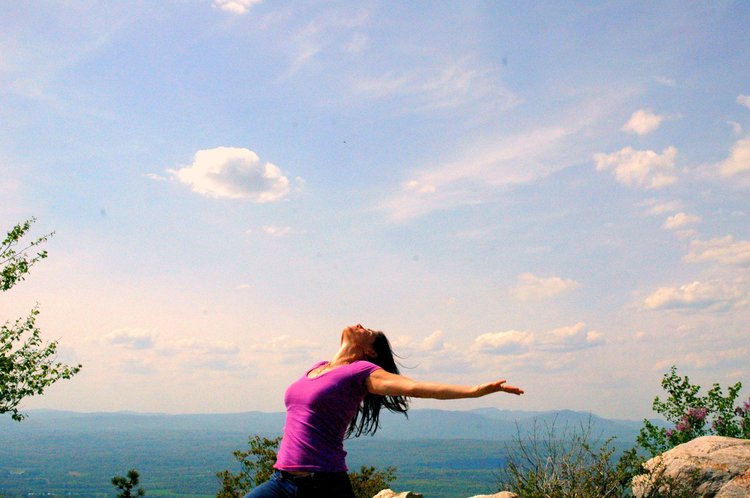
x=367, y=418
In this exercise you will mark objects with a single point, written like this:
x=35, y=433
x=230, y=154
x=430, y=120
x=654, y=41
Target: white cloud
x=533, y=287
x=216, y=355
x=238, y=7
x=156, y=177
x=433, y=342
x=711, y=296
x=710, y=359
x=663, y=80
x=325, y=32
x=657, y=207
x=448, y=85
x=511, y=342
x=744, y=100
x=738, y=160
x=570, y=338
x=643, y=121
x=131, y=338
x=736, y=127
x=234, y=173
x=357, y=43
x=686, y=234
x=640, y=168
x=723, y=250
x=681, y=220
x=476, y=176
x=286, y=346
x=275, y=231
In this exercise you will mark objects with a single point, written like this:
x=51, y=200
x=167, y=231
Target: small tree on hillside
x=27, y=366
x=126, y=484
x=694, y=415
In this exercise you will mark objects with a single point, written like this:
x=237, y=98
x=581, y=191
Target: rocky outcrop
x=388, y=493
x=711, y=466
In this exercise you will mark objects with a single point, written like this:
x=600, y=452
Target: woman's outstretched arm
x=388, y=384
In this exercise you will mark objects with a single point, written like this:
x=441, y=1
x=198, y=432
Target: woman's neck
x=347, y=353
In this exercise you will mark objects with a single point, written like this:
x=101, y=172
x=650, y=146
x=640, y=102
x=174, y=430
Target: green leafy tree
x=127, y=484
x=27, y=365
x=693, y=415
x=257, y=467
x=370, y=481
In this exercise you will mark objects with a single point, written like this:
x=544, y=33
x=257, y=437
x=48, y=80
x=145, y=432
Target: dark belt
x=310, y=476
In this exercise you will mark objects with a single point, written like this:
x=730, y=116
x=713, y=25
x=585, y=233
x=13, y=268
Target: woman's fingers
x=512, y=389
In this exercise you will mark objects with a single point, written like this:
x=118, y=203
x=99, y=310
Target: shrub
x=693, y=415
x=571, y=463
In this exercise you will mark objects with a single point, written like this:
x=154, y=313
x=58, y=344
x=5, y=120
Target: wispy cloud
x=722, y=250
x=744, y=100
x=656, y=207
x=738, y=161
x=476, y=176
x=563, y=339
x=276, y=231
x=663, y=80
x=711, y=296
x=509, y=342
x=331, y=32
x=640, y=168
x=131, y=338
x=681, y=220
x=571, y=338
x=642, y=122
x=449, y=85
x=239, y=7
x=234, y=173
x=533, y=287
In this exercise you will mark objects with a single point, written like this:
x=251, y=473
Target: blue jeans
x=319, y=485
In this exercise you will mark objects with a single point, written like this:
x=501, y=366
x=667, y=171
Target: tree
x=257, y=467
x=126, y=485
x=27, y=365
x=370, y=481
x=694, y=415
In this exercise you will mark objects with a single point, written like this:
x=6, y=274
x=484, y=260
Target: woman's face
x=359, y=336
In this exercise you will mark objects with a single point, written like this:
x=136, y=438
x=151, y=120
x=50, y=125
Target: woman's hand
x=388, y=384
x=497, y=386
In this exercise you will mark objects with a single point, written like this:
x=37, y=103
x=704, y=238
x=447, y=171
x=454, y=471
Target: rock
x=713, y=467
x=389, y=493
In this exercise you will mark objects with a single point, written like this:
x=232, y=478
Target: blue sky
x=553, y=193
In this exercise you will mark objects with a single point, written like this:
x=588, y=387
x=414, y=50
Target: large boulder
x=712, y=466
x=389, y=493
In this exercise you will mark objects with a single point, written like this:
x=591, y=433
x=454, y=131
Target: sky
x=553, y=193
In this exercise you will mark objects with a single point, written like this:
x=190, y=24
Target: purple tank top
x=318, y=412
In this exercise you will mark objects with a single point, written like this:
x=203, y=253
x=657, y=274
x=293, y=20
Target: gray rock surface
x=714, y=466
x=389, y=493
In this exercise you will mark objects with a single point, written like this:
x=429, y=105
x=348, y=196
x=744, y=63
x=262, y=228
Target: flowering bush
x=694, y=415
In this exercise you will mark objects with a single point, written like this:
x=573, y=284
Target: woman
x=339, y=398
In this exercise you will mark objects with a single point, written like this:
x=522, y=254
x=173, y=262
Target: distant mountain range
x=489, y=424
